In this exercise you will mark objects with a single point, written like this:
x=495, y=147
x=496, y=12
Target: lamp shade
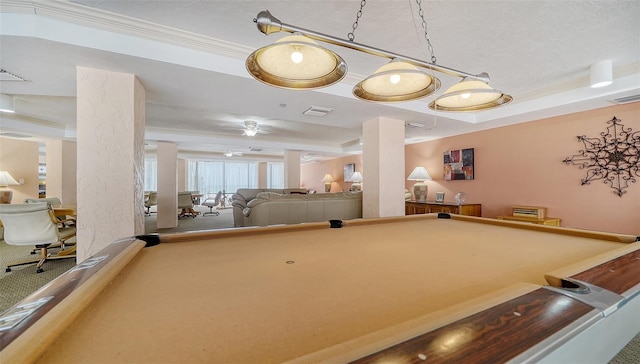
x=7, y=103
x=601, y=74
x=356, y=177
x=296, y=62
x=396, y=81
x=419, y=174
x=6, y=179
x=327, y=178
x=470, y=95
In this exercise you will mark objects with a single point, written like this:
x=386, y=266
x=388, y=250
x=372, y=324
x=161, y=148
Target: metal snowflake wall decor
x=613, y=159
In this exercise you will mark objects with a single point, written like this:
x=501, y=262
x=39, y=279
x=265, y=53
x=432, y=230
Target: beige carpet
x=23, y=281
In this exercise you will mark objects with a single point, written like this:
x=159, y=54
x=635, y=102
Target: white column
x=110, y=144
x=61, y=159
x=291, y=169
x=262, y=174
x=167, y=185
x=383, y=159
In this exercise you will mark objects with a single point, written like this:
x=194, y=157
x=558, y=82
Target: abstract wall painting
x=458, y=164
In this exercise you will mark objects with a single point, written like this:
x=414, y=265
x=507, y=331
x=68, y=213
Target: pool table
x=421, y=288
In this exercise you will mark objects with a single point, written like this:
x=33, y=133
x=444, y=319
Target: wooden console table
x=415, y=208
x=552, y=221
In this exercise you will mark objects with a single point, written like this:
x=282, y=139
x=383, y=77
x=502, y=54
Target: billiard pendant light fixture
x=296, y=62
x=470, y=95
x=299, y=62
x=396, y=81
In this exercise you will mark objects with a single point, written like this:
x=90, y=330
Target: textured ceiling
x=189, y=55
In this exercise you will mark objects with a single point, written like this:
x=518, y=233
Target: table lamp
x=6, y=179
x=421, y=175
x=327, y=179
x=356, y=177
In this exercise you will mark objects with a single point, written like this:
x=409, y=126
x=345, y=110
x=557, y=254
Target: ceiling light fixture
x=7, y=103
x=250, y=128
x=601, y=74
x=403, y=79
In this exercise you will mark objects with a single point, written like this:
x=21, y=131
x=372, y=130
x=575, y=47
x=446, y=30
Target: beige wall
x=522, y=165
x=20, y=159
x=311, y=173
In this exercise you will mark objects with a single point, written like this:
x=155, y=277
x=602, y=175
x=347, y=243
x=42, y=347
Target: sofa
x=241, y=198
x=269, y=208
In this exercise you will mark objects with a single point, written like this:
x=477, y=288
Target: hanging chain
x=351, y=34
x=426, y=34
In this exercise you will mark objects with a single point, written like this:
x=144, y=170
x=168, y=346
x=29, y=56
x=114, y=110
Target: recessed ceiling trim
x=100, y=19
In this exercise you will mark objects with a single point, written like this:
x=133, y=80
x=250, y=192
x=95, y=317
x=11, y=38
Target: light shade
x=7, y=103
x=601, y=74
x=396, y=81
x=470, y=95
x=419, y=174
x=356, y=177
x=296, y=62
x=6, y=179
x=327, y=178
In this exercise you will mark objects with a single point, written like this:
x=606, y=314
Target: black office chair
x=211, y=203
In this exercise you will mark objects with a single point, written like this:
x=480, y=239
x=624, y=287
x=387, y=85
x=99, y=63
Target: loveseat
x=241, y=198
x=272, y=208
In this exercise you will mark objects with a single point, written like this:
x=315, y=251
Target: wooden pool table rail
x=68, y=295
x=495, y=335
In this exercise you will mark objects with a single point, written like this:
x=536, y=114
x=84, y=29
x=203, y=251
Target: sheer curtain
x=150, y=174
x=275, y=175
x=209, y=177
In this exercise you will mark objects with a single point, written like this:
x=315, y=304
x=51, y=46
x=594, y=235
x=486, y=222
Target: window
x=211, y=177
x=275, y=175
x=150, y=174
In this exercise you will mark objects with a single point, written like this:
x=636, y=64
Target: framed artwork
x=458, y=164
x=440, y=197
x=348, y=171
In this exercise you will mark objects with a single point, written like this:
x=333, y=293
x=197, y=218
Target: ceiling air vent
x=317, y=111
x=8, y=76
x=626, y=99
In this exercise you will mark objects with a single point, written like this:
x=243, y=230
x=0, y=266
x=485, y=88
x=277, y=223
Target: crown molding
x=103, y=20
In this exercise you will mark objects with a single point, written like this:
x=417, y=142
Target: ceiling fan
x=230, y=154
x=250, y=128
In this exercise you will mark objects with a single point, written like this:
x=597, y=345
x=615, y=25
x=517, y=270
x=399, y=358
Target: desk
x=415, y=207
x=310, y=293
x=65, y=210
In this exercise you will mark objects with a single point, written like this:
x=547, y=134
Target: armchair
x=212, y=202
x=54, y=202
x=150, y=201
x=34, y=224
x=185, y=204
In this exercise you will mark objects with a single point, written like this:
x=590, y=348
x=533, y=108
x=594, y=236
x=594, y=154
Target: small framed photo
x=439, y=197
